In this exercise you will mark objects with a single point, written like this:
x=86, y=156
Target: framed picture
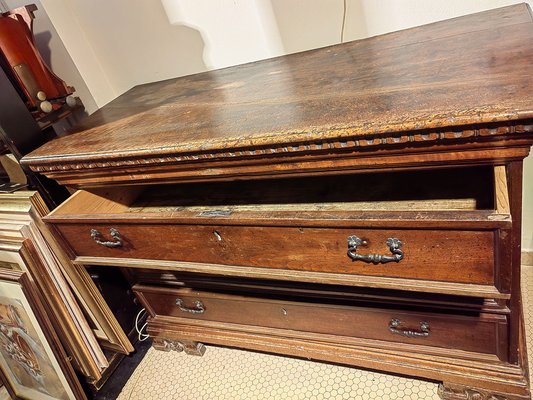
x=21, y=216
x=33, y=365
x=71, y=330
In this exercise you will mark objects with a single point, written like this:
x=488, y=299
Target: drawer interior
x=330, y=294
x=458, y=189
x=468, y=189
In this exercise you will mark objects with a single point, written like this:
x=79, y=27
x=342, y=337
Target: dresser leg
x=194, y=348
x=451, y=391
x=167, y=345
x=191, y=348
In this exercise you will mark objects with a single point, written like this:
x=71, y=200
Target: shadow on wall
x=152, y=31
x=42, y=41
x=191, y=49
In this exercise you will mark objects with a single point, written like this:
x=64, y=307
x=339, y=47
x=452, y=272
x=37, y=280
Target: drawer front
x=441, y=255
x=478, y=333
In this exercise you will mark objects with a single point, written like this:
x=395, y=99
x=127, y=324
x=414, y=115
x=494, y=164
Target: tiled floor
x=228, y=374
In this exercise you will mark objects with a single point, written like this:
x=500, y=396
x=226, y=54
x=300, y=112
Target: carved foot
x=194, y=348
x=191, y=348
x=450, y=391
x=167, y=345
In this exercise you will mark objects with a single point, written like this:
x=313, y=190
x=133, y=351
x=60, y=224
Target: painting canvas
x=23, y=352
x=31, y=360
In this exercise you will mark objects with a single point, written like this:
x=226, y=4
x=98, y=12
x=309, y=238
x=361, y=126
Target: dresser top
x=475, y=69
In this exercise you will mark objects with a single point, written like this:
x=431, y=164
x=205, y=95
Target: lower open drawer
x=472, y=332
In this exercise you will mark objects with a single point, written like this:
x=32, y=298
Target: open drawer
x=433, y=231
x=348, y=320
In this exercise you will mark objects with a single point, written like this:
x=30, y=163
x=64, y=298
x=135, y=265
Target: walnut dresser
x=357, y=204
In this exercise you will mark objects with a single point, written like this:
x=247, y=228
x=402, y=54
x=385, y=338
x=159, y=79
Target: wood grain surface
x=439, y=255
x=468, y=70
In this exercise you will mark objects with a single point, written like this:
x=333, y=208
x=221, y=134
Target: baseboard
x=527, y=257
x=483, y=379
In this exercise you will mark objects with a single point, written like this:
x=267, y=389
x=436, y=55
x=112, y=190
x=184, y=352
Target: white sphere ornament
x=41, y=95
x=46, y=106
x=71, y=101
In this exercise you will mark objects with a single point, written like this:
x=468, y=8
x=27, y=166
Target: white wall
x=121, y=43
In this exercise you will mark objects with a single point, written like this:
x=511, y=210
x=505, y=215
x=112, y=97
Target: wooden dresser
x=359, y=203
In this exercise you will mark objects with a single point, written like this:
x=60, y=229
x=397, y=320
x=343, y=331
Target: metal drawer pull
x=199, y=307
x=394, y=328
x=394, y=246
x=97, y=236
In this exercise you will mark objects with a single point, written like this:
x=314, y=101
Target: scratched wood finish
x=446, y=75
x=334, y=319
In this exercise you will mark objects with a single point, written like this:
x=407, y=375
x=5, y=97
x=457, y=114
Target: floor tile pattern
x=229, y=374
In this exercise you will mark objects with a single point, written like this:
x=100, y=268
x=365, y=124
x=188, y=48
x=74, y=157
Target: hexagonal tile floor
x=229, y=374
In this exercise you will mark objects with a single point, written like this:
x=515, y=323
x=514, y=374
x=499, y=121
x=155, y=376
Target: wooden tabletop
x=469, y=70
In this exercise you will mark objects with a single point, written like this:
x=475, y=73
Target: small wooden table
x=359, y=203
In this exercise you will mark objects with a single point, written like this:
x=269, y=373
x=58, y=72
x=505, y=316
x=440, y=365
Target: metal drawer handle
x=199, y=307
x=394, y=246
x=394, y=328
x=97, y=236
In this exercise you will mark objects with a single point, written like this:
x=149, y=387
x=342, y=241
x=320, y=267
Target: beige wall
x=527, y=217
x=121, y=43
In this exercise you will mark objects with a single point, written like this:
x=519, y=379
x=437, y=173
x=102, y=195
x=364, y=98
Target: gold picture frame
x=22, y=251
x=33, y=364
x=28, y=204
x=20, y=217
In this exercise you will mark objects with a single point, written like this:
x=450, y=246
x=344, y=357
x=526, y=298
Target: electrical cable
x=343, y=21
x=142, y=336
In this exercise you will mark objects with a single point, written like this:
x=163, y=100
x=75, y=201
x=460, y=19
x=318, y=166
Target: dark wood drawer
x=412, y=235
x=441, y=255
x=478, y=333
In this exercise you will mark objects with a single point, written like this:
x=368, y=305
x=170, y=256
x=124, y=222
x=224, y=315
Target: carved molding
x=168, y=345
x=191, y=348
x=358, y=142
x=464, y=393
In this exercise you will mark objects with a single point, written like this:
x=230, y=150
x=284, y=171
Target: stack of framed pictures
x=33, y=364
x=83, y=321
